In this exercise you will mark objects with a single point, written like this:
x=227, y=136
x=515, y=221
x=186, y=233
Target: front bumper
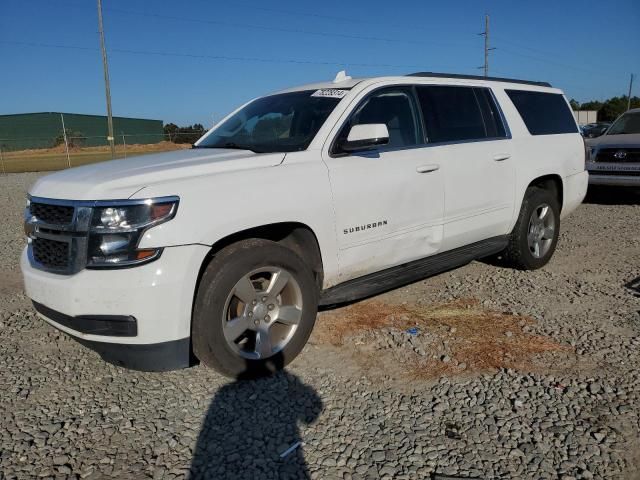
x=614, y=180
x=614, y=174
x=150, y=305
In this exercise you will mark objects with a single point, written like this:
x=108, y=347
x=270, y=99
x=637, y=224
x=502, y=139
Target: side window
x=396, y=109
x=543, y=113
x=451, y=114
x=492, y=118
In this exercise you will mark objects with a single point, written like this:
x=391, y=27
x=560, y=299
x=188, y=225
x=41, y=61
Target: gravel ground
x=373, y=403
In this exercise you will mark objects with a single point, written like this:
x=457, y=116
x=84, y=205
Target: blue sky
x=228, y=52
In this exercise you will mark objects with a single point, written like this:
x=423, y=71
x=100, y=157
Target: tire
x=234, y=286
x=519, y=252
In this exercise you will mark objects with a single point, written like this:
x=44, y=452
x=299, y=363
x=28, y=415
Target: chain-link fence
x=65, y=151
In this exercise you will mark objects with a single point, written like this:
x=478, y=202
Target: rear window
x=543, y=113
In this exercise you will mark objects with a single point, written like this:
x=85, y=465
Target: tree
x=611, y=108
x=74, y=139
x=575, y=105
x=170, y=129
x=188, y=134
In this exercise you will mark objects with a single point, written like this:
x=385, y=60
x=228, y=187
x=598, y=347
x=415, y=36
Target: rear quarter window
x=543, y=113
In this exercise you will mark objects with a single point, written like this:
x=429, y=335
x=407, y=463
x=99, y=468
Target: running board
x=395, y=277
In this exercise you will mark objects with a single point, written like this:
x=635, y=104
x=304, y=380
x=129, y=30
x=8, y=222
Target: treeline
x=188, y=134
x=608, y=110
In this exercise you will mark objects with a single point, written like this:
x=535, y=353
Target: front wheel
x=535, y=235
x=255, y=308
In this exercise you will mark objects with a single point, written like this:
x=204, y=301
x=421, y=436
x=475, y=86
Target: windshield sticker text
x=329, y=93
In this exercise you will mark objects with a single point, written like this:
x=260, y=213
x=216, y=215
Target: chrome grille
x=52, y=214
x=58, y=234
x=51, y=254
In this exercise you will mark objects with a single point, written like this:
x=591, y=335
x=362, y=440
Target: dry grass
x=55, y=158
x=481, y=339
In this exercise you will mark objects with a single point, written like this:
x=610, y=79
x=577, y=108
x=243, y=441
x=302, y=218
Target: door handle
x=427, y=168
x=501, y=157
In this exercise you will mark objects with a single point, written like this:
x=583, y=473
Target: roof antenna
x=341, y=76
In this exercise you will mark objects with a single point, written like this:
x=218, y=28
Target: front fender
x=214, y=207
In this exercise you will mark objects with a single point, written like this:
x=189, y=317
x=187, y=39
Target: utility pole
x=66, y=143
x=107, y=89
x=629, y=96
x=486, y=46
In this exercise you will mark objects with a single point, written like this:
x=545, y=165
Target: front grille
x=619, y=173
x=51, y=253
x=52, y=214
x=624, y=155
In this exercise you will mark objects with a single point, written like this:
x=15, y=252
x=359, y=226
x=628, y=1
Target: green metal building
x=43, y=130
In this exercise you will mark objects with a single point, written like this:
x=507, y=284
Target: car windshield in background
x=626, y=124
x=285, y=122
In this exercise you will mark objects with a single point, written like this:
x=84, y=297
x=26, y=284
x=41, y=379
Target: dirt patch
x=10, y=282
x=132, y=148
x=450, y=338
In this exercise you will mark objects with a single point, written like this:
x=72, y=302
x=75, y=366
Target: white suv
x=320, y=194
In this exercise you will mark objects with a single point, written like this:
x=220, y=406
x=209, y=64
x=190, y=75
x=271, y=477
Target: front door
x=389, y=202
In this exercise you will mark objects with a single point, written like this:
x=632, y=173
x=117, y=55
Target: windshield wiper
x=240, y=147
x=232, y=145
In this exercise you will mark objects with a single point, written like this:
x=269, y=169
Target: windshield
x=279, y=123
x=627, y=123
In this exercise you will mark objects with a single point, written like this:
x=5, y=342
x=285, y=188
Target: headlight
x=116, y=231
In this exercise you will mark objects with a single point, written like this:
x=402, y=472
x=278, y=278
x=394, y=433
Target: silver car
x=614, y=158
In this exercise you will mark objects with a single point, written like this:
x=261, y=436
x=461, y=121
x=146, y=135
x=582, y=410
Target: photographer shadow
x=250, y=423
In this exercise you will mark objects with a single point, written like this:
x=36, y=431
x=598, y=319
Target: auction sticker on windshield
x=329, y=93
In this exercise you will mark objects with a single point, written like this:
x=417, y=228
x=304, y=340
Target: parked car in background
x=592, y=130
x=319, y=194
x=614, y=158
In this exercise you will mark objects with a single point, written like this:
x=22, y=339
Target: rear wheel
x=255, y=308
x=535, y=235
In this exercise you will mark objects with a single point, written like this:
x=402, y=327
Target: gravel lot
x=506, y=374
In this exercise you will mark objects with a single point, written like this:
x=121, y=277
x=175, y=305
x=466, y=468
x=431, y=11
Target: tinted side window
x=543, y=113
x=451, y=114
x=396, y=109
x=490, y=113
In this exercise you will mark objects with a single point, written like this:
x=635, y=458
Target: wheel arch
x=297, y=236
x=551, y=182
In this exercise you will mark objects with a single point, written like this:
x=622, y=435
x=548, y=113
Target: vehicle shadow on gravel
x=613, y=195
x=250, y=424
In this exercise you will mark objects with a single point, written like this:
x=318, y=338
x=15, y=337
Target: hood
x=120, y=179
x=613, y=141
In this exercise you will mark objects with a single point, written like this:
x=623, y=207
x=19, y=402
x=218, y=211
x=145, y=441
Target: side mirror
x=366, y=137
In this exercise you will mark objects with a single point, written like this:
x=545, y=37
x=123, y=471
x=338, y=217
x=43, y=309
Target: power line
x=548, y=56
x=338, y=35
x=252, y=26
x=608, y=73
x=216, y=57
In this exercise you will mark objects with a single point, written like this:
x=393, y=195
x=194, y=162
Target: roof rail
x=478, y=77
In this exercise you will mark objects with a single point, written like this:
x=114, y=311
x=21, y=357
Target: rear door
x=465, y=128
